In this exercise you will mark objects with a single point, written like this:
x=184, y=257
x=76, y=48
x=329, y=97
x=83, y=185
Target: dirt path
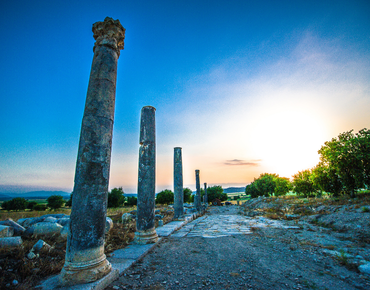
x=228, y=258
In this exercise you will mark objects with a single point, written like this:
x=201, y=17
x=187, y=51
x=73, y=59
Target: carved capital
x=109, y=33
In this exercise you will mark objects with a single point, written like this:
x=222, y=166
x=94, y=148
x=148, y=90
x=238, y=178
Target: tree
x=187, y=195
x=282, y=186
x=69, y=201
x=325, y=179
x=216, y=191
x=116, y=197
x=265, y=184
x=18, y=203
x=31, y=204
x=349, y=156
x=131, y=200
x=252, y=190
x=55, y=201
x=165, y=197
x=303, y=184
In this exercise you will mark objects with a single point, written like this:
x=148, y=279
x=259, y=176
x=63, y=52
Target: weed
x=365, y=209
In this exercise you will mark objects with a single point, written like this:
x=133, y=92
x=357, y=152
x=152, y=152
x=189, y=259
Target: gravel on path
x=266, y=258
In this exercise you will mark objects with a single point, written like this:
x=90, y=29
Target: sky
x=244, y=87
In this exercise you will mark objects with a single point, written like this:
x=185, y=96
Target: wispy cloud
x=242, y=162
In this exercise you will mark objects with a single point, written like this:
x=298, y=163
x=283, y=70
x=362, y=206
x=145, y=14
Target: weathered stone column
x=178, y=185
x=85, y=260
x=205, y=195
x=198, y=200
x=145, y=230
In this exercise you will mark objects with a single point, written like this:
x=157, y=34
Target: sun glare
x=287, y=141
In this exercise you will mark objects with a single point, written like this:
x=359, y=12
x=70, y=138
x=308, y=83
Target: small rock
x=15, y=282
x=31, y=255
x=365, y=269
x=116, y=287
x=39, y=245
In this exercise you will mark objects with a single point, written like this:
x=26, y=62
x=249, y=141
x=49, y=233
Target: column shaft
x=85, y=260
x=178, y=185
x=145, y=230
x=198, y=203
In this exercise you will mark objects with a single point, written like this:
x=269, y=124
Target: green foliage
x=282, y=186
x=116, y=197
x=365, y=209
x=40, y=207
x=303, y=184
x=165, y=197
x=348, y=156
x=268, y=184
x=55, y=201
x=216, y=191
x=187, y=195
x=69, y=201
x=325, y=179
x=31, y=204
x=131, y=200
x=18, y=203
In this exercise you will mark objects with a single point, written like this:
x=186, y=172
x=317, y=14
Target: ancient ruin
x=145, y=230
x=178, y=185
x=85, y=260
x=197, y=200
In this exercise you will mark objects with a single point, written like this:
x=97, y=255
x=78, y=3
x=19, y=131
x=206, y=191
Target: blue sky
x=244, y=87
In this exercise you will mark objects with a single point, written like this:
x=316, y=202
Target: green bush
x=187, y=195
x=40, y=207
x=116, y=197
x=55, y=201
x=216, y=191
x=131, y=201
x=31, y=204
x=18, y=203
x=164, y=197
x=69, y=201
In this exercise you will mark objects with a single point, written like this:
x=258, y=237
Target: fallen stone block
x=10, y=242
x=43, y=230
x=18, y=229
x=40, y=245
x=63, y=221
x=64, y=233
x=6, y=231
x=365, y=269
x=108, y=224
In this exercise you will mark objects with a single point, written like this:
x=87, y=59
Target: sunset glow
x=240, y=95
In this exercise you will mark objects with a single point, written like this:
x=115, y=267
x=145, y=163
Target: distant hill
x=34, y=195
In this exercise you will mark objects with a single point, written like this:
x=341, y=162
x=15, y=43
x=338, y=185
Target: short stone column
x=85, y=260
x=198, y=200
x=145, y=229
x=178, y=185
x=205, y=195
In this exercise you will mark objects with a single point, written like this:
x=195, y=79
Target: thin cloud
x=242, y=162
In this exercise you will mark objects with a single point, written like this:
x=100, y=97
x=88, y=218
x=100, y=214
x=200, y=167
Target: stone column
x=145, y=230
x=178, y=185
x=198, y=203
x=85, y=260
x=205, y=195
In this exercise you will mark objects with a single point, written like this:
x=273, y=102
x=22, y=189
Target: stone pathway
x=220, y=225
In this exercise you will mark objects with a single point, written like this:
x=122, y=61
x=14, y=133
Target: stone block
x=10, y=242
x=18, y=229
x=43, y=230
x=6, y=231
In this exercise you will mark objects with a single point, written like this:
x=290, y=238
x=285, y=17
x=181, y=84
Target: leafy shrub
x=31, y=204
x=187, y=195
x=18, y=203
x=69, y=201
x=55, y=201
x=131, y=200
x=116, y=197
x=216, y=191
x=165, y=197
x=40, y=207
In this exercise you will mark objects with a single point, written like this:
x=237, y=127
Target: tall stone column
x=145, y=230
x=178, y=185
x=205, y=195
x=85, y=260
x=198, y=203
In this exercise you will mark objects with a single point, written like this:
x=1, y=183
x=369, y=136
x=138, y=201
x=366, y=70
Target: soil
x=323, y=253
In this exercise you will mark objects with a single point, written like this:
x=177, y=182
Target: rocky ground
x=289, y=245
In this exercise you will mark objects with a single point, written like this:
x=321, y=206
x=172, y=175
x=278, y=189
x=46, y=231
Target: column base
x=146, y=237
x=84, y=272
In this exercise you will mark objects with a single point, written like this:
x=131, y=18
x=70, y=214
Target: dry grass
x=16, y=266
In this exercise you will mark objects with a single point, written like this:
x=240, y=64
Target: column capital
x=110, y=33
